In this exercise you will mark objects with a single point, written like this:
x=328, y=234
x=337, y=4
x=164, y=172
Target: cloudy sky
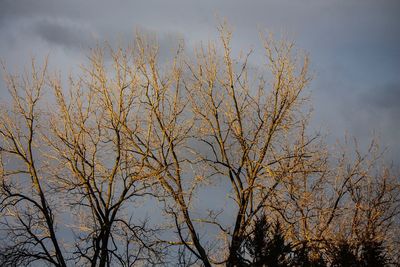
x=354, y=46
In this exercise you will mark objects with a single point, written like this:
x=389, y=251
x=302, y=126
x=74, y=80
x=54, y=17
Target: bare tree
x=255, y=135
x=27, y=209
x=100, y=171
x=77, y=161
x=164, y=131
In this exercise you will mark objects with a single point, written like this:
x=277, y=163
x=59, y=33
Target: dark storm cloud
x=367, y=113
x=64, y=33
x=381, y=107
x=385, y=98
x=11, y=10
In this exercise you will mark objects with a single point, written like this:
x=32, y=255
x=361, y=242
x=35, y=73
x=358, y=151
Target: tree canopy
x=84, y=159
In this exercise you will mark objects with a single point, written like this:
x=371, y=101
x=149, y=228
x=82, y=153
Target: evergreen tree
x=344, y=255
x=303, y=258
x=266, y=246
x=373, y=253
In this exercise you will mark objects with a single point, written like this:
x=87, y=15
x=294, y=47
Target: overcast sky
x=354, y=46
